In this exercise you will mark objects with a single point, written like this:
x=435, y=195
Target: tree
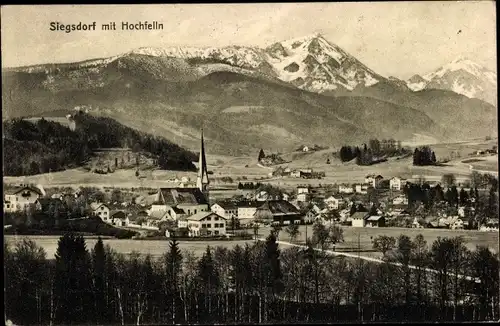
x=293, y=231
x=276, y=229
x=320, y=235
x=261, y=155
x=272, y=272
x=173, y=269
x=26, y=275
x=72, y=292
x=384, y=244
x=441, y=256
x=448, y=179
x=485, y=267
x=255, y=227
x=403, y=255
x=420, y=257
x=464, y=197
x=209, y=281
x=335, y=235
x=99, y=276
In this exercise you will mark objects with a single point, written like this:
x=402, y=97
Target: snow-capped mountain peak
x=463, y=76
x=309, y=62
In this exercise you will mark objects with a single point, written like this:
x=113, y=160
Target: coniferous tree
x=261, y=155
x=209, y=280
x=72, y=292
x=99, y=279
x=173, y=268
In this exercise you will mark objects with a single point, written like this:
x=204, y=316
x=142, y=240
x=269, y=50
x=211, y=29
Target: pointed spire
x=202, y=180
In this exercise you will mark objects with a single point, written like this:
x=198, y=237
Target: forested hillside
x=45, y=146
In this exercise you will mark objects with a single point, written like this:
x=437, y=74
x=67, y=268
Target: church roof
x=179, y=196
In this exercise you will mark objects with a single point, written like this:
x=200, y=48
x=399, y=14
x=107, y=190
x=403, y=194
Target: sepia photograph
x=265, y=163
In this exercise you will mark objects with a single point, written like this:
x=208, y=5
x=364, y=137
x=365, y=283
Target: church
x=187, y=200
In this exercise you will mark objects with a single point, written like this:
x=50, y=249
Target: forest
x=256, y=283
x=47, y=146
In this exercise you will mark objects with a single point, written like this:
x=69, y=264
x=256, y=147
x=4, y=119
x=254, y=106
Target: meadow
x=355, y=240
x=246, y=168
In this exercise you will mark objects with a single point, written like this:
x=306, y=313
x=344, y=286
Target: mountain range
x=462, y=76
x=305, y=90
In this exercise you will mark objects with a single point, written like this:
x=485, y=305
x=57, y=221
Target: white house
x=182, y=222
x=343, y=189
x=395, y=183
x=302, y=190
x=359, y=189
x=303, y=197
x=295, y=174
x=101, y=210
x=305, y=149
x=119, y=218
x=210, y=222
x=285, y=197
x=247, y=209
x=358, y=219
x=225, y=209
x=332, y=202
x=19, y=199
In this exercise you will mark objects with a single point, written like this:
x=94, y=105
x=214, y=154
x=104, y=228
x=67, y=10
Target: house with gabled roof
x=19, y=198
x=101, y=210
x=278, y=211
x=226, y=209
x=208, y=223
x=358, y=219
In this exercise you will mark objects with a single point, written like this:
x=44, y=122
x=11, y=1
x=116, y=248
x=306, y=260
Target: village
x=188, y=210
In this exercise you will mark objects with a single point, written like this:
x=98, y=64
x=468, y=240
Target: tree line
x=257, y=283
x=47, y=146
x=373, y=152
x=424, y=155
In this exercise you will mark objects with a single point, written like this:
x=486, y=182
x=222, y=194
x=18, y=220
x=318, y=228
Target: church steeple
x=202, y=180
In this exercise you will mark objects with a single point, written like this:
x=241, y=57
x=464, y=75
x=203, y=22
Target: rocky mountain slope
x=462, y=76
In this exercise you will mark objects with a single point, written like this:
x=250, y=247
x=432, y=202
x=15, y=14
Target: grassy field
x=351, y=235
x=246, y=169
x=472, y=238
x=154, y=247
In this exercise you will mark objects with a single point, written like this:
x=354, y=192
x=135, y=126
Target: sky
x=392, y=38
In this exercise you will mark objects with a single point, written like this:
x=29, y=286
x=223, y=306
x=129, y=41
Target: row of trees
x=258, y=283
x=375, y=149
x=46, y=146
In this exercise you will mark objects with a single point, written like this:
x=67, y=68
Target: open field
x=157, y=247
x=246, y=169
x=154, y=247
x=472, y=238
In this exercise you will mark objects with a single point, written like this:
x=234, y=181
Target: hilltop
x=34, y=147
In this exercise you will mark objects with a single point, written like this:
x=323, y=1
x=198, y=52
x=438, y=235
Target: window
x=203, y=226
x=8, y=206
x=209, y=226
x=216, y=218
x=195, y=211
x=216, y=232
x=99, y=213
